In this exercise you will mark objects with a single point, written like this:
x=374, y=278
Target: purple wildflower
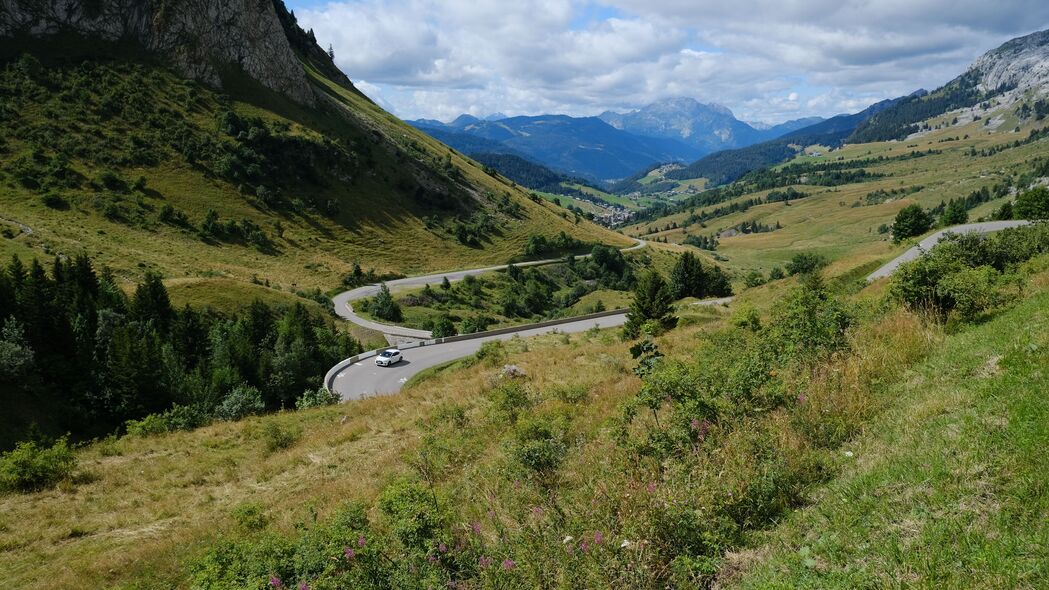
x=537, y=512
x=485, y=561
x=275, y=582
x=598, y=538
x=431, y=558
x=508, y=564
x=349, y=552
x=695, y=424
x=476, y=527
x=584, y=546
x=360, y=541
x=304, y=586
x=442, y=547
x=651, y=487
x=801, y=398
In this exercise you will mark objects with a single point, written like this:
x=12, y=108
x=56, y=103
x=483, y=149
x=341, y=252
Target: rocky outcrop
x=1021, y=64
x=201, y=38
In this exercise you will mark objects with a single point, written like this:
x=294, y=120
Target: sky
x=766, y=60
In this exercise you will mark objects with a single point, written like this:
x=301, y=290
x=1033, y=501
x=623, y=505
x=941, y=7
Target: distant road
x=928, y=243
x=363, y=379
x=343, y=300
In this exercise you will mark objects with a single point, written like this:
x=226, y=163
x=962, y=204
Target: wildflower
x=275, y=582
x=625, y=544
x=848, y=454
x=304, y=586
x=801, y=398
x=584, y=546
x=568, y=539
x=695, y=424
x=350, y=553
x=537, y=512
x=651, y=487
x=476, y=527
x=360, y=541
x=598, y=538
x=431, y=558
x=508, y=564
x=485, y=561
x=442, y=548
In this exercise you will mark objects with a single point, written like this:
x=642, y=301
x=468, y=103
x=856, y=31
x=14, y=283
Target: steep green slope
x=947, y=489
x=116, y=154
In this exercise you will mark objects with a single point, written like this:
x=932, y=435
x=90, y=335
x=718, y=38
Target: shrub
x=315, y=398
x=539, y=446
x=242, y=401
x=808, y=322
x=250, y=516
x=805, y=263
x=492, y=353
x=570, y=394
x=508, y=400
x=54, y=201
x=746, y=316
x=279, y=437
x=413, y=514
x=973, y=291
x=443, y=327
x=177, y=418
x=31, y=467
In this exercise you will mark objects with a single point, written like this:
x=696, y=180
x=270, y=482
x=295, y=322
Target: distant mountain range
x=612, y=145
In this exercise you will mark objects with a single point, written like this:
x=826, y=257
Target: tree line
x=78, y=355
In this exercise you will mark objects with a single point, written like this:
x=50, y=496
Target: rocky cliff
x=201, y=38
x=1021, y=64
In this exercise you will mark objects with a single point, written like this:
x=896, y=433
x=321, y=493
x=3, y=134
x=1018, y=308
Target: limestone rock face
x=199, y=37
x=1020, y=64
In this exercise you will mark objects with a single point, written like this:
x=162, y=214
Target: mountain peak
x=1021, y=63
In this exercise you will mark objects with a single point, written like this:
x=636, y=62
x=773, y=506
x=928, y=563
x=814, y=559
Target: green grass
x=947, y=489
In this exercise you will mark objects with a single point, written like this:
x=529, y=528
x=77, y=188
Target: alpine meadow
x=431, y=294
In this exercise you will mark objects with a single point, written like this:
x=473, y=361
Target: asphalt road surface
x=928, y=243
x=363, y=379
x=345, y=310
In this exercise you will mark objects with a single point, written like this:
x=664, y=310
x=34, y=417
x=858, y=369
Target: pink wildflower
x=442, y=548
x=350, y=553
x=304, y=586
x=476, y=527
x=598, y=538
x=275, y=582
x=651, y=487
x=584, y=546
x=360, y=541
x=485, y=561
x=508, y=564
x=801, y=398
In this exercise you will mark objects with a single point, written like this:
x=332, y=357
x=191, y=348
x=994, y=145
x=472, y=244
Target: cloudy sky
x=767, y=60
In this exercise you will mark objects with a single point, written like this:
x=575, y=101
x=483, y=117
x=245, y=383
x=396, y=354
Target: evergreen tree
x=1032, y=204
x=443, y=327
x=911, y=221
x=151, y=303
x=687, y=278
x=384, y=307
x=653, y=302
x=954, y=213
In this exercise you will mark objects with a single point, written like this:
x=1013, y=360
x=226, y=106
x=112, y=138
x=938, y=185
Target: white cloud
x=765, y=59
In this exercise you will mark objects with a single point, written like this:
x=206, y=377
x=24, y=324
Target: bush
x=492, y=353
x=242, y=401
x=443, y=327
x=174, y=419
x=805, y=263
x=315, y=398
x=31, y=467
x=973, y=291
x=539, y=446
x=279, y=437
x=1032, y=204
x=250, y=516
x=508, y=400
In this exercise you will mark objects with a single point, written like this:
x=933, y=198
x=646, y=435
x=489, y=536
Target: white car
x=388, y=357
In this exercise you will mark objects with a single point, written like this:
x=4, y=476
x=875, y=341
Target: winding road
x=928, y=243
x=363, y=379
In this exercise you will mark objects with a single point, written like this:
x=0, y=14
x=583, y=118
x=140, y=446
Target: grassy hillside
x=644, y=498
x=946, y=489
x=842, y=222
x=112, y=157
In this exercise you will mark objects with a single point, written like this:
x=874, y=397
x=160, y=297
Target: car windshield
x=388, y=353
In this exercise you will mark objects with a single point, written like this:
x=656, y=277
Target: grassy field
x=838, y=223
x=946, y=489
x=374, y=219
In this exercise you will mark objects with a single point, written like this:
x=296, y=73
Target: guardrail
x=329, y=377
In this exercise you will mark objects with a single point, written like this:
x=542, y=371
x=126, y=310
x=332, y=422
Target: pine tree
x=653, y=302
x=151, y=303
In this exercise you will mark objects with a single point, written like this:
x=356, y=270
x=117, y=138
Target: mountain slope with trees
x=276, y=169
